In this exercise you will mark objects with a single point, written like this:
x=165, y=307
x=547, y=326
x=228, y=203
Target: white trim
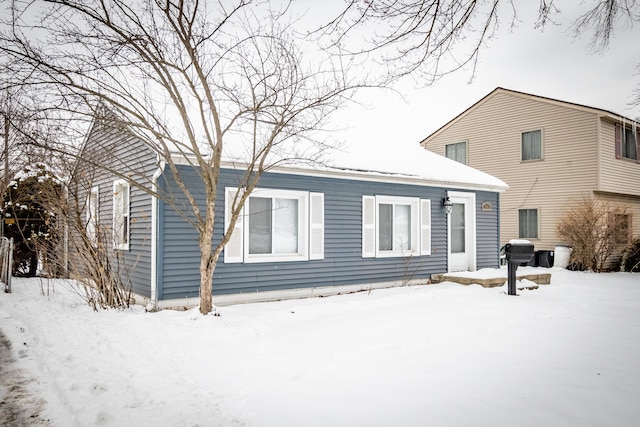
x=234, y=248
x=425, y=227
x=368, y=226
x=470, y=228
x=316, y=226
x=303, y=226
x=92, y=214
x=357, y=175
x=414, y=204
x=121, y=246
x=285, y=294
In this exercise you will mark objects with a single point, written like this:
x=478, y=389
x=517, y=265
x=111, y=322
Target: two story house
x=551, y=153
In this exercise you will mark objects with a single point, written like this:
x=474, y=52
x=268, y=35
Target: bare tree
x=432, y=38
x=207, y=80
x=21, y=125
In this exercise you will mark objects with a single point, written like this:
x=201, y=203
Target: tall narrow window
x=528, y=223
x=629, y=146
x=458, y=234
x=121, y=214
x=532, y=145
x=91, y=212
x=457, y=152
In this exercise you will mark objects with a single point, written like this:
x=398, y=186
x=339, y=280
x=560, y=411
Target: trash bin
x=562, y=256
x=545, y=258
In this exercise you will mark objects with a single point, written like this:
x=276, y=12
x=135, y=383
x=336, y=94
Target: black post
x=511, y=277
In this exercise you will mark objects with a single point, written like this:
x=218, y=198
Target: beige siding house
x=551, y=153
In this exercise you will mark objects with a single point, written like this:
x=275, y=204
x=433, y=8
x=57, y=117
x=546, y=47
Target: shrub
x=631, y=258
x=596, y=230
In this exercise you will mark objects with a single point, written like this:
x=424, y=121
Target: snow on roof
x=419, y=163
x=410, y=164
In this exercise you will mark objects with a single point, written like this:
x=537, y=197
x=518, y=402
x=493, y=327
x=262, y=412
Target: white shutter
x=368, y=226
x=316, y=226
x=425, y=227
x=233, y=251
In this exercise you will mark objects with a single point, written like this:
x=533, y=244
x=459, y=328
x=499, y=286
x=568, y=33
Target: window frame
x=522, y=134
x=624, y=144
x=92, y=215
x=455, y=158
x=121, y=219
x=537, y=223
x=420, y=226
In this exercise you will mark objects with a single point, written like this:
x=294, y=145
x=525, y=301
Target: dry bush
x=631, y=258
x=98, y=270
x=597, y=230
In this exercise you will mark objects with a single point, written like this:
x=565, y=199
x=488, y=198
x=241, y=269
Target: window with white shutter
x=276, y=225
x=395, y=226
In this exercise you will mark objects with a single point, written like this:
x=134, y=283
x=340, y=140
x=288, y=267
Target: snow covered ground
x=566, y=354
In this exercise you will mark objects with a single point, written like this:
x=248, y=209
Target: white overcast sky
x=550, y=63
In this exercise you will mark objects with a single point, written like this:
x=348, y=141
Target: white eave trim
x=356, y=175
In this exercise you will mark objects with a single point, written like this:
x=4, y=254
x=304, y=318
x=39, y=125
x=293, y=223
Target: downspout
x=153, y=303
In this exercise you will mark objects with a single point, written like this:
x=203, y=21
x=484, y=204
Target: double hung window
x=457, y=152
x=532, y=145
x=528, y=223
x=276, y=225
x=395, y=226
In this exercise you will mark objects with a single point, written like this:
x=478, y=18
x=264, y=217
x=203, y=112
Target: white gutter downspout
x=153, y=304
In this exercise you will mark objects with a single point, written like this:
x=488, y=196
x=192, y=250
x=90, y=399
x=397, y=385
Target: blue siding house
x=304, y=231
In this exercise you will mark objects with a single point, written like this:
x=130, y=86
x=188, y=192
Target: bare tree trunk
x=5, y=182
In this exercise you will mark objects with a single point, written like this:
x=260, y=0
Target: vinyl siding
x=123, y=152
x=567, y=171
x=617, y=175
x=343, y=264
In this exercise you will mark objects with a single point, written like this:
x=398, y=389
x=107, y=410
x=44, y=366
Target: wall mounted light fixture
x=447, y=205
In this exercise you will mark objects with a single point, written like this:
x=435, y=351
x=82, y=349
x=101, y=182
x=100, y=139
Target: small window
x=532, y=145
x=528, y=223
x=91, y=212
x=121, y=215
x=395, y=226
x=629, y=147
x=457, y=152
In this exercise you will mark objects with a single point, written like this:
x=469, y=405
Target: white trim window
x=121, y=194
x=275, y=226
x=395, y=226
x=528, y=223
x=92, y=212
x=532, y=145
x=457, y=152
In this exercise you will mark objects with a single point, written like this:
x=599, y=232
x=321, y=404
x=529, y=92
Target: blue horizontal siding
x=487, y=230
x=342, y=264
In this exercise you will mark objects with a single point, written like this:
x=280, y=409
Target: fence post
x=6, y=255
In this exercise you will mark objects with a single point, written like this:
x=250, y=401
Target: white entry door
x=462, y=232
